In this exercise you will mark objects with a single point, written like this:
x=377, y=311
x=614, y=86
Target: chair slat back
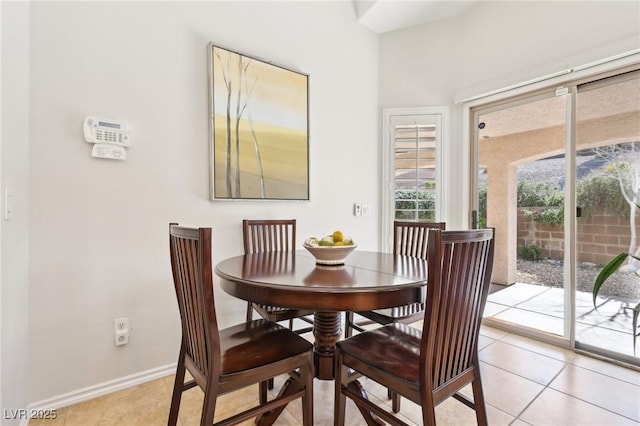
x=192, y=276
x=460, y=266
x=261, y=236
x=411, y=238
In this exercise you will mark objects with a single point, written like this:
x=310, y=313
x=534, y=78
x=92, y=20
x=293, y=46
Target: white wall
x=14, y=251
x=491, y=46
x=99, y=228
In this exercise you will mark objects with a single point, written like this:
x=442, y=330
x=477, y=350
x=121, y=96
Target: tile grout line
x=589, y=402
x=528, y=350
x=517, y=417
x=572, y=361
x=605, y=374
x=545, y=387
x=548, y=386
x=594, y=405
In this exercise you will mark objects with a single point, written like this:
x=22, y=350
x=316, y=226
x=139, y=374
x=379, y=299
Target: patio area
x=541, y=308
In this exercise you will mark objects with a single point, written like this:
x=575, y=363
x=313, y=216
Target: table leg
x=326, y=331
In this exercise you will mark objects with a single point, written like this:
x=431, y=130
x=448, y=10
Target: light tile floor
x=525, y=382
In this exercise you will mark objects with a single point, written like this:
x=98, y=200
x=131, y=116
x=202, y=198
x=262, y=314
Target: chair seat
x=256, y=344
x=394, y=349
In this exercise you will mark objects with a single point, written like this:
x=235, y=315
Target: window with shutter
x=411, y=165
x=415, y=171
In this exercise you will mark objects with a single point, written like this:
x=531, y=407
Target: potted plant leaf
x=608, y=270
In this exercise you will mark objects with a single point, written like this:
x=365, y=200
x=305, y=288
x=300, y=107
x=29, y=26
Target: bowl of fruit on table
x=330, y=250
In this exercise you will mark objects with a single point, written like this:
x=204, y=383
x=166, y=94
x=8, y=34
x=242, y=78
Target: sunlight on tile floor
x=526, y=383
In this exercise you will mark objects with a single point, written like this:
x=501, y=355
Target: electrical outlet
x=120, y=324
x=121, y=331
x=357, y=209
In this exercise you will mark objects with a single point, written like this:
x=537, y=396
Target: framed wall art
x=259, y=129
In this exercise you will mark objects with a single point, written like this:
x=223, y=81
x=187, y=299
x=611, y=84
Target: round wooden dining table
x=292, y=279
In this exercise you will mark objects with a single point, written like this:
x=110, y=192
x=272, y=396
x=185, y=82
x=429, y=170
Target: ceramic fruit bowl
x=330, y=255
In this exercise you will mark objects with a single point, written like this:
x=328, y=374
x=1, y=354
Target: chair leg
x=178, y=385
x=208, y=405
x=478, y=397
x=428, y=410
x=270, y=383
x=339, y=398
x=262, y=390
x=249, y=311
x=348, y=320
x=395, y=400
x=307, y=398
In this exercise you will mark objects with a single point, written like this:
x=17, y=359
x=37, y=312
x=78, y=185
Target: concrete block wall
x=599, y=238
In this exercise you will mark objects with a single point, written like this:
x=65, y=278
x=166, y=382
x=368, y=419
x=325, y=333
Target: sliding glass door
x=607, y=176
x=521, y=173
x=558, y=176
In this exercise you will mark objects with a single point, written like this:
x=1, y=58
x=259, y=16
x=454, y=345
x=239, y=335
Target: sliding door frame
x=569, y=221
x=569, y=80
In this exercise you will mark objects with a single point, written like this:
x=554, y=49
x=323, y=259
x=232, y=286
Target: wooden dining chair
x=261, y=236
x=221, y=361
x=409, y=239
x=431, y=365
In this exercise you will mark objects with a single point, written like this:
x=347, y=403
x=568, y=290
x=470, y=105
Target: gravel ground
x=549, y=273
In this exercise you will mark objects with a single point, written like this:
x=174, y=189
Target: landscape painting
x=259, y=121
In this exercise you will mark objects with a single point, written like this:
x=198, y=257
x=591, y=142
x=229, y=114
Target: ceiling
x=382, y=16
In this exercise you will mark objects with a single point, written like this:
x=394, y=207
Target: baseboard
x=104, y=388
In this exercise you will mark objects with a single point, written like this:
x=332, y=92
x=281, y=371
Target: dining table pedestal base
x=326, y=332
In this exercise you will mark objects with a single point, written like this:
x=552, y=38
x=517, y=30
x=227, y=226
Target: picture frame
x=259, y=128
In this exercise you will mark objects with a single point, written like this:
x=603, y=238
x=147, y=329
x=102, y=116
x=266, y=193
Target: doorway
x=558, y=176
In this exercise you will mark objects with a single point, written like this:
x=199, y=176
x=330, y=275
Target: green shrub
x=592, y=192
x=553, y=216
x=421, y=202
x=531, y=252
x=601, y=191
x=482, y=205
x=545, y=196
x=539, y=195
